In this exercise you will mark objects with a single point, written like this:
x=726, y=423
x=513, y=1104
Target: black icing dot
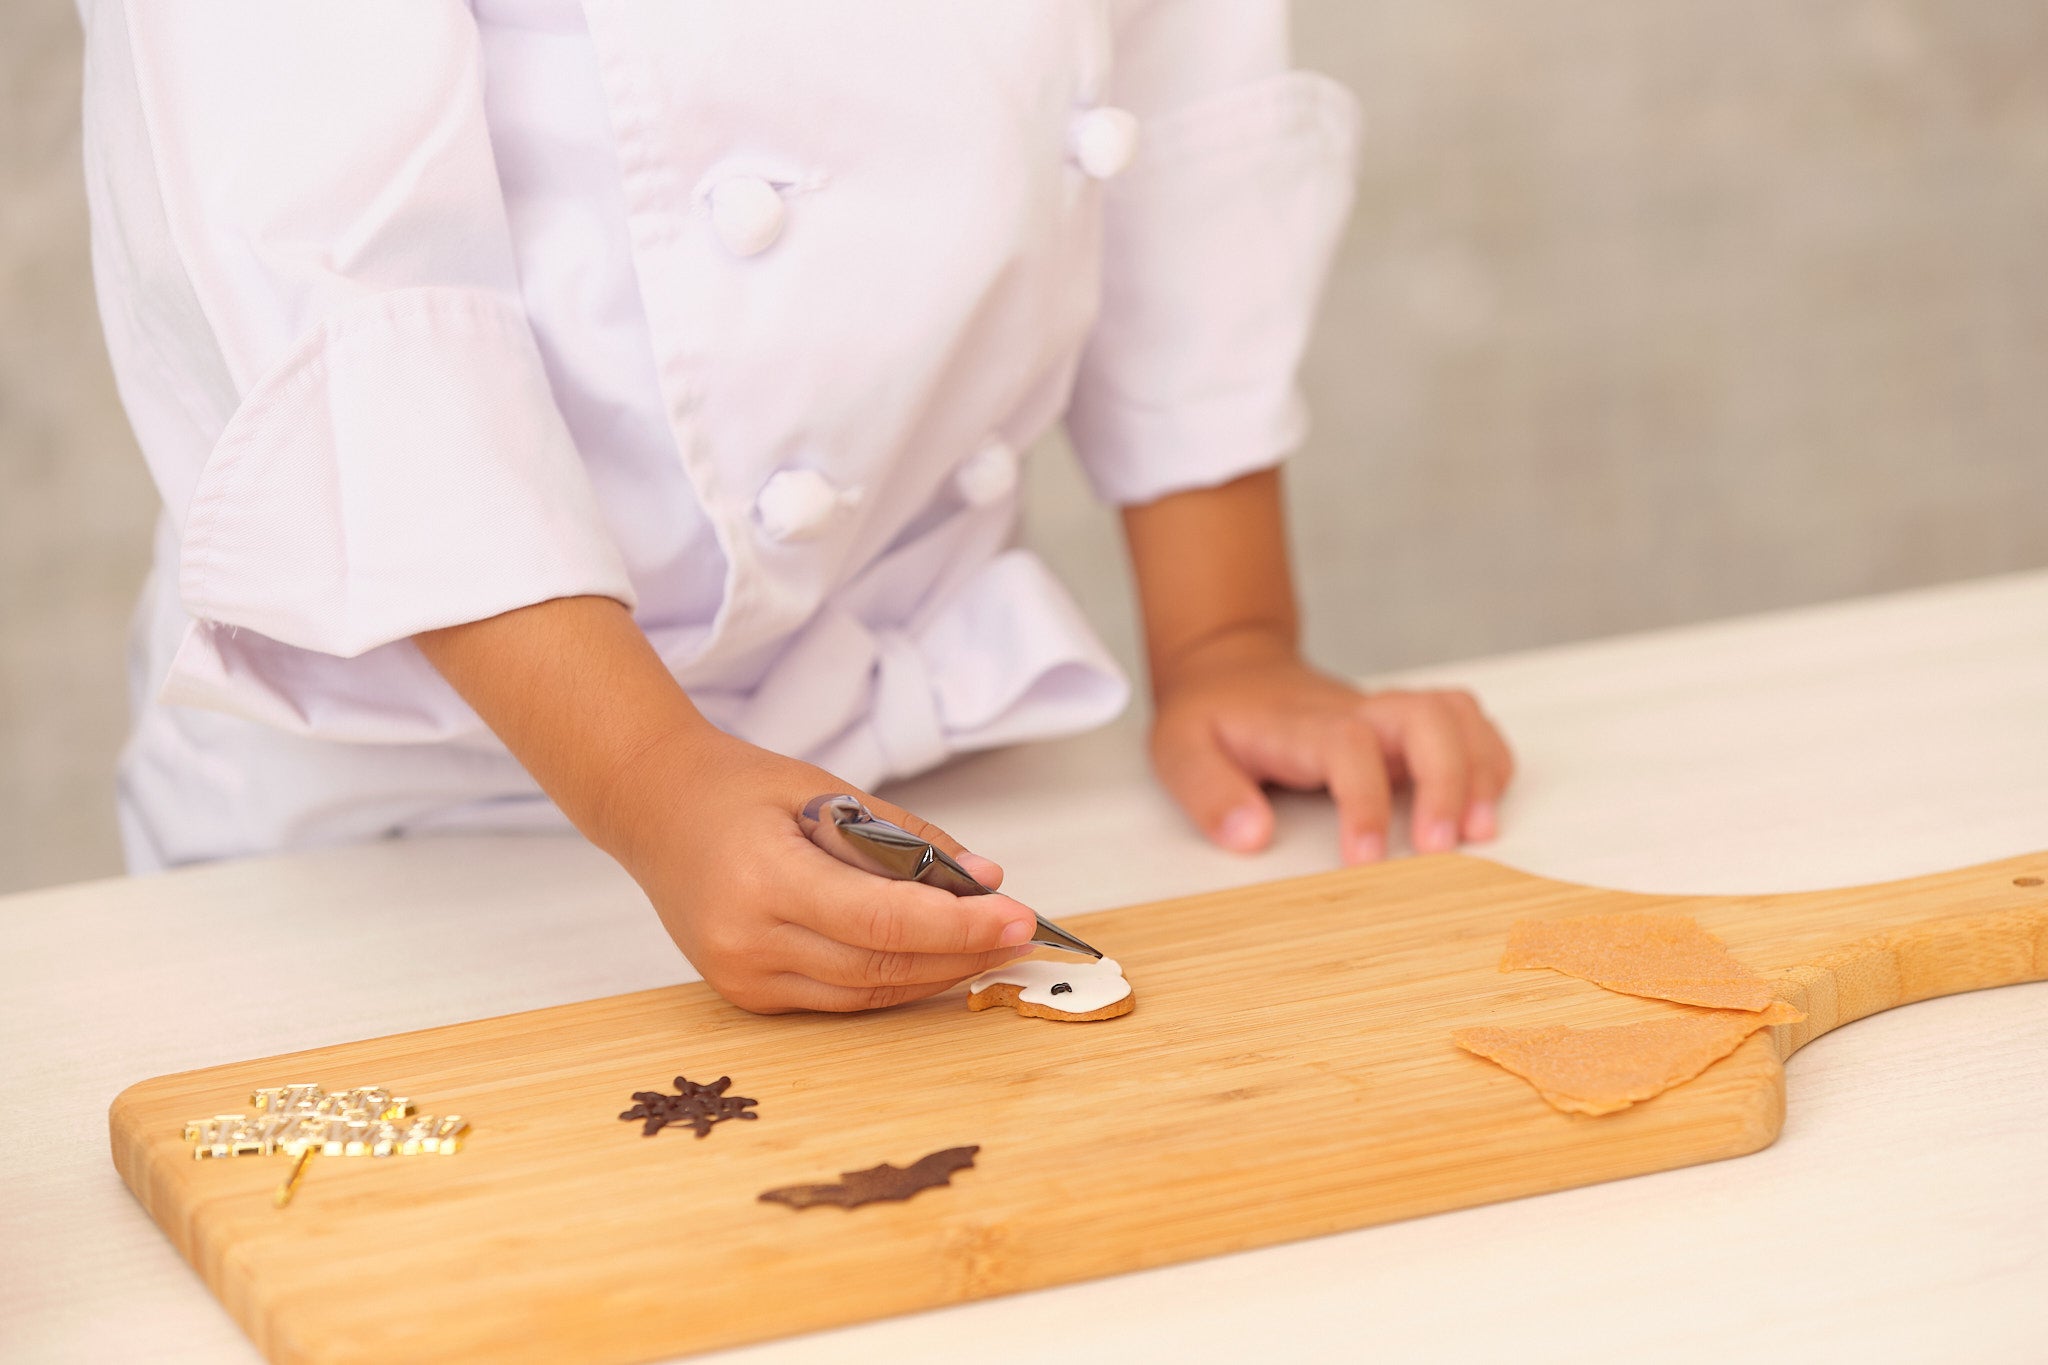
x=1062, y=988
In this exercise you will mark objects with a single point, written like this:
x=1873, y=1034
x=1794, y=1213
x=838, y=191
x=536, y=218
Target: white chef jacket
x=738, y=313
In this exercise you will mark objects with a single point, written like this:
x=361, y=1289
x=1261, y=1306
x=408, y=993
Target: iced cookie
x=1073, y=992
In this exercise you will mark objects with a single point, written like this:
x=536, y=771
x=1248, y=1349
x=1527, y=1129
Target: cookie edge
x=1007, y=993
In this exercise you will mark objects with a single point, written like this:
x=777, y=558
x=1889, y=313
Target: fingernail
x=1438, y=836
x=1365, y=848
x=1240, y=829
x=1482, y=821
x=1026, y=951
x=1019, y=931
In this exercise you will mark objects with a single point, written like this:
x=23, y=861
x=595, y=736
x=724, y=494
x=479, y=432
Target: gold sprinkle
x=291, y=1182
x=303, y=1119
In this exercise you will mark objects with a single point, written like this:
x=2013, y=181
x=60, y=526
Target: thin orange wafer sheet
x=1666, y=957
x=1602, y=1070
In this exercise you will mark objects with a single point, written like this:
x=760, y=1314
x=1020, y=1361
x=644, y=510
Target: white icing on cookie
x=1095, y=984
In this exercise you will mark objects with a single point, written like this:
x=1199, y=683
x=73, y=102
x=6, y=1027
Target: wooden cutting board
x=1288, y=1072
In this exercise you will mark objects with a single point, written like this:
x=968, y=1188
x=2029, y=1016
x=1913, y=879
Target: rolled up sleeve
x=324, y=207
x=1216, y=244
x=400, y=469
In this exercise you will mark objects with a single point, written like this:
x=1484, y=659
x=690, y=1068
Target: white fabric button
x=796, y=504
x=1104, y=140
x=746, y=213
x=988, y=475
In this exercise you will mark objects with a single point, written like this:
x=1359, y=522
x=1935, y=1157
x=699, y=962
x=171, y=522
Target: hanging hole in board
x=2026, y=881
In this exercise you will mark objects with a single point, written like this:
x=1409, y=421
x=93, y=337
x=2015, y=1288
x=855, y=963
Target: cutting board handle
x=1937, y=952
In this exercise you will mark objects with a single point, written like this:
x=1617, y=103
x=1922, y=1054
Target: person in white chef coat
x=612, y=410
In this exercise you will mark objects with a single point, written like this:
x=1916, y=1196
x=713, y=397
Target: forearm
x=1212, y=574
x=577, y=694
x=707, y=823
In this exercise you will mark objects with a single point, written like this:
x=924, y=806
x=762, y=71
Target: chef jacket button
x=988, y=475
x=746, y=213
x=1103, y=140
x=796, y=504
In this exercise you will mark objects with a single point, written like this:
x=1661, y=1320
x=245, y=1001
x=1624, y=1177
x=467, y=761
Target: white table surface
x=1902, y=1216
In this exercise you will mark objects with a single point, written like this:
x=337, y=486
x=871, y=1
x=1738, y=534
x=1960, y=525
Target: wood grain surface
x=1288, y=1072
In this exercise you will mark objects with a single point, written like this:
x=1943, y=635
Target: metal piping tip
x=846, y=829
x=1052, y=936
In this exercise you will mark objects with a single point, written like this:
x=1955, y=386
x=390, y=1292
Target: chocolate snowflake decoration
x=699, y=1106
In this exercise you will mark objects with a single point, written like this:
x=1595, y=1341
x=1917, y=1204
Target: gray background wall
x=1652, y=310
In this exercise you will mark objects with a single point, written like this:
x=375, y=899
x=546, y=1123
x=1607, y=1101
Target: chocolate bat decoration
x=878, y=1182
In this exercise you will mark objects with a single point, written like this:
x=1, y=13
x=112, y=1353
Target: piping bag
x=847, y=830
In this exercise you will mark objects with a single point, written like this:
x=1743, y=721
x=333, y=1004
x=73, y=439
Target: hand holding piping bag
x=845, y=828
x=708, y=823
